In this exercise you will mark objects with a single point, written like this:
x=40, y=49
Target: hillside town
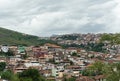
x=87, y=40
x=76, y=38
x=54, y=63
x=59, y=40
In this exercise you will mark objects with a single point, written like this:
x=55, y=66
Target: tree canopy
x=112, y=38
x=30, y=75
x=2, y=66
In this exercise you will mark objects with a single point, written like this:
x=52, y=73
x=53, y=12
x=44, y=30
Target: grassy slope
x=15, y=38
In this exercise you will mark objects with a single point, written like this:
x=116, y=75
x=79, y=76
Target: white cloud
x=44, y=17
x=114, y=26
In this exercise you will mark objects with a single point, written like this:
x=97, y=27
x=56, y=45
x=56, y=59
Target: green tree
x=9, y=53
x=6, y=75
x=114, y=72
x=2, y=66
x=25, y=56
x=26, y=79
x=15, y=78
x=85, y=73
x=97, y=67
x=74, y=54
x=71, y=63
x=69, y=79
x=32, y=74
x=112, y=38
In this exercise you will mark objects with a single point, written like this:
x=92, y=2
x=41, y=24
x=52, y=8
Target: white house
x=4, y=48
x=32, y=64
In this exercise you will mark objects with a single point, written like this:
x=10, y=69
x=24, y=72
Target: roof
x=84, y=78
x=73, y=67
x=99, y=77
x=46, y=71
x=52, y=45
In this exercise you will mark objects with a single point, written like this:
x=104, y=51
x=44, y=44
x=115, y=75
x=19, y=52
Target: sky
x=52, y=17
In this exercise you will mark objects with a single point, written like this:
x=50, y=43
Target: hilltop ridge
x=10, y=37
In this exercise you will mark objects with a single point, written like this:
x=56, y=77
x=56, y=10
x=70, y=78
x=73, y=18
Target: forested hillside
x=10, y=37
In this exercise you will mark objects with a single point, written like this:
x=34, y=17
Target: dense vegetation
x=31, y=75
x=97, y=47
x=110, y=71
x=27, y=75
x=68, y=37
x=14, y=38
x=111, y=38
x=2, y=66
x=9, y=53
x=69, y=79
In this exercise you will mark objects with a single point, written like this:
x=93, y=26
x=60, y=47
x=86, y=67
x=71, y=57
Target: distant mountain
x=10, y=37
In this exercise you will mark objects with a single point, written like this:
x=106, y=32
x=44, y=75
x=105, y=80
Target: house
x=46, y=73
x=29, y=51
x=73, y=70
x=36, y=49
x=3, y=80
x=29, y=48
x=3, y=59
x=13, y=49
x=42, y=60
x=54, y=72
x=38, y=53
x=65, y=62
x=117, y=58
x=48, y=57
x=84, y=78
x=13, y=60
x=20, y=69
x=71, y=50
x=50, y=78
x=48, y=45
x=57, y=59
x=21, y=49
x=4, y=48
x=60, y=68
x=100, y=78
x=57, y=73
x=32, y=64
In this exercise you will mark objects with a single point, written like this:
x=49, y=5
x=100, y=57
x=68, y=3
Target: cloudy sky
x=48, y=17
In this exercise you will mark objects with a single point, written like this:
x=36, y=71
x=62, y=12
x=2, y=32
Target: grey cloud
x=47, y=17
